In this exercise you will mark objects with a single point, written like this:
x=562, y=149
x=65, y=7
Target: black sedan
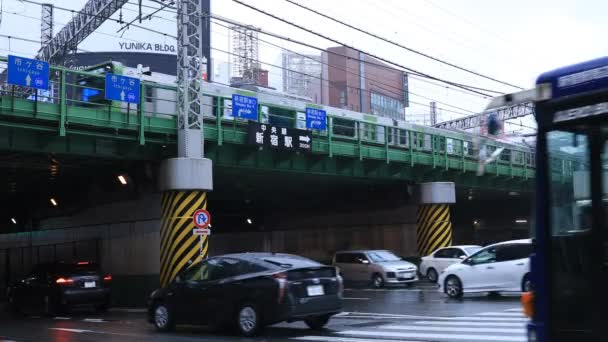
x=54, y=287
x=248, y=291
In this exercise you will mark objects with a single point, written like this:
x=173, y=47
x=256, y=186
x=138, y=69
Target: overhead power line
x=351, y=47
x=400, y=90
x=457, y=86
x=402, y=46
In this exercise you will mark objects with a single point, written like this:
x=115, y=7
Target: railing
x=74, y=105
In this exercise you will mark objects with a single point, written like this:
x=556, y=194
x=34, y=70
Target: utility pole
x=433, y=113
x=186, y=179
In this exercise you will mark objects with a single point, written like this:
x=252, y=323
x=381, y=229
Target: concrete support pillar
x=184, y=182
x=434, y=227
x=178, y=246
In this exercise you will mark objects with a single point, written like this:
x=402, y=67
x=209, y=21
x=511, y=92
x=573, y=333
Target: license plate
x=89, y=284
x=406, y=275
x=315, y=290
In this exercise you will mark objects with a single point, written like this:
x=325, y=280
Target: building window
x=342, y=98
x=386, y=106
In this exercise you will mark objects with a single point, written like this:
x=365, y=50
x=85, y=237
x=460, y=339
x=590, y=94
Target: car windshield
x=472, y=250
x=381, y=256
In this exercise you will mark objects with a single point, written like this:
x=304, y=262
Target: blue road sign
x=244, y=107
x=316, y=119
x=28, y=72
x=122, y=88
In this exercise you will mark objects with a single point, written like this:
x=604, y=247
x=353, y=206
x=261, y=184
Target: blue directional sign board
x=28, y=72
x=244, y=107
x=122, y=88
x=316, y=118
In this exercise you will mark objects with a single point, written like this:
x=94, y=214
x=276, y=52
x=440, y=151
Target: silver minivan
x=380, y=267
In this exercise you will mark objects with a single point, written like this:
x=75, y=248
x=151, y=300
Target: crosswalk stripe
x=511, y=314
x=342, y=339
x=444, y=336
x=520, y=330
x=476, y=324
x=463, y=318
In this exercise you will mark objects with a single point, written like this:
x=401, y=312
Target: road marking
x=342, y=339
x=94, y=320
x=72, y=330
x=475, y=324
x=130, y=310
x=466, y=337
x=520, y=330
x=512, y=314
x=463, y=318
x=62, y=318
x=515, y=310
x=354, y=298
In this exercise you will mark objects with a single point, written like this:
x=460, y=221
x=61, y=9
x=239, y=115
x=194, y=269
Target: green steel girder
x=102, y=132
x=233, y=157
x=41, y=141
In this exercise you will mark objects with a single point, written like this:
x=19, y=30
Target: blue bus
x=569, y=266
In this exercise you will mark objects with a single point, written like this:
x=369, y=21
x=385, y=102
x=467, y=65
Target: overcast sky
x=513, y=40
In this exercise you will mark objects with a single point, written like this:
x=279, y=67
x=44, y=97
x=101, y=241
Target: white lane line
x=520, y=330
x=431, y=336
x=94, y=320
x=342, y=339
x=130, y=310
x=72, y=330
x=505, y=314
x=515, y=310
x=354, y=298
x=62, y=318
x=474, y=324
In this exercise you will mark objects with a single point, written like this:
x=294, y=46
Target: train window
x=344, y=127
x=449, y=143
x=505, y=155
x=403, y=137
x=281, y=117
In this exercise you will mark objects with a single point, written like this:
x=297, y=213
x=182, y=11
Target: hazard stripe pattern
x=434, y=228
x=179, y=248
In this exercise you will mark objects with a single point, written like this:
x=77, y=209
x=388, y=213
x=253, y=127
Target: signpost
x=28, y=72
x=283, y=138
x=316, y=118
x=244, y=107
x=122, y=88
x=202, y=221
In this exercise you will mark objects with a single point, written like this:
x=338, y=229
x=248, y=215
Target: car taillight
x=281, y=279
x=64, y=281
x=527, y=302
x=107, y=278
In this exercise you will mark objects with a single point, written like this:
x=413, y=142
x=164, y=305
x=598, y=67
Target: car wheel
x=163, y=318
x=317, y=322
x=526, y=284
x=248, y=320
x=49, y=306
x=377, y=281
x=431, y=275
x=453, y=287
x=12, y=304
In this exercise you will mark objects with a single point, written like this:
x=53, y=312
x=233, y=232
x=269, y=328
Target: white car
x=501, y=267
x=432, y=265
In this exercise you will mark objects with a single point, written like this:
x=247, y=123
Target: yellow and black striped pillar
x=179, y=247
x=434, y=228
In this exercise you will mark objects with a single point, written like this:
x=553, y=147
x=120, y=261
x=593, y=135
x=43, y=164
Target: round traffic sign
x=201, y=218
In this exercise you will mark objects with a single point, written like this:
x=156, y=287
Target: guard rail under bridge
x=72, y=117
